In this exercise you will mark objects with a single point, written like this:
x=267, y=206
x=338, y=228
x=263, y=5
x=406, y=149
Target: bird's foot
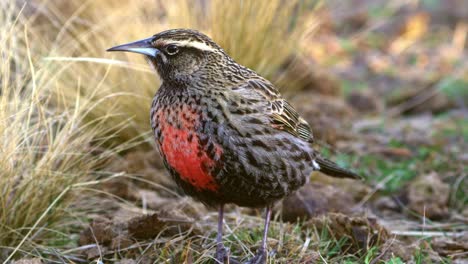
x=222, y=256
x=259, y=258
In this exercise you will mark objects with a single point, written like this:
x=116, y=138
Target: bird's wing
x=285, y=117
x=282, y=115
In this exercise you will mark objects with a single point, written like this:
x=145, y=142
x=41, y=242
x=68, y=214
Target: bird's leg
x=265, y=231
x=260, y=257
x=220, y=250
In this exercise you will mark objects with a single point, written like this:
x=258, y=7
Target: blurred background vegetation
x=384, y=85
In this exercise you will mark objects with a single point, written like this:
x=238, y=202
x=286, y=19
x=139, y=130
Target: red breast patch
x=182, y=150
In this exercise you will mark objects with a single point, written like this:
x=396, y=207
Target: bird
x=225, y=133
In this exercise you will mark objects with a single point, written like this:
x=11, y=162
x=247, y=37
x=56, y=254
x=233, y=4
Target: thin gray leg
x=265, y=231
x=261, y=256
x=220, y=250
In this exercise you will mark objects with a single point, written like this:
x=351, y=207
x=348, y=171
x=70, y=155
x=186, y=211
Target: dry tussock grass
x=44, y=151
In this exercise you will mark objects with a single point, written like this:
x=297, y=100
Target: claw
x=221, y=254
x=259, y=258
x=222, y=257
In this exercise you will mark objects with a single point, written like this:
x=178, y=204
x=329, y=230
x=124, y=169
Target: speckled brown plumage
x=225, y=133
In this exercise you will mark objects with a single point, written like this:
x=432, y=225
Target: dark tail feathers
x=332, y=169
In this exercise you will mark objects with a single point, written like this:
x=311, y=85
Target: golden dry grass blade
x=43, y=151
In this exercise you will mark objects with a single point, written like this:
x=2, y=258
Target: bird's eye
x=172, y=49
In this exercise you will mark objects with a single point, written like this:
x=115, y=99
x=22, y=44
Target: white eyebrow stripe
x=192, y=44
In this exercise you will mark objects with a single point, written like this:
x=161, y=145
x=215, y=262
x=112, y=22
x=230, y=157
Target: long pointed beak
x=143, y=46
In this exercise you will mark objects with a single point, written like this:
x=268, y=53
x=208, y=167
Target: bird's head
x=178, y=55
